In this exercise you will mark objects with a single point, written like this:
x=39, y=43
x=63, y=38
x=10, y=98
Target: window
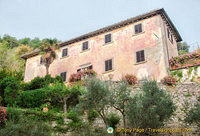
x=64, y=52
x=108, y=38
x=63, y=75
x=41, y=60
x=85, y=46
x=170, y=35
x=138, y=28
x=108, y=65
x=87, y=67
x=140, y=56
x=172, y=38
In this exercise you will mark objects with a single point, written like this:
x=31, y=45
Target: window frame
x=65, y=76
x=112, y=65
x=105, y=38
x=63, y=52
x=141, y=28
x=83, y=46
x=141, y=61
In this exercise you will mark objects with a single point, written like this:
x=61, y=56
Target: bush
x=131, y=79
x=169, y=80
x=92, y=115
x=150, y=107
x=9, y=89
x=113, y=119
x=41, y=82
x=26, y=127
x=13, y=114
x=34, y=98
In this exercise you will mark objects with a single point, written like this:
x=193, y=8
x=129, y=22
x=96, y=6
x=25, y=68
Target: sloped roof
x=118, y=25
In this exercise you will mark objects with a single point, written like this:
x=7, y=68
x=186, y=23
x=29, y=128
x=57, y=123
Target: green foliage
x=113, y=119
x=9, y=90
x=76, y=124
x=13, y=114
x=150, y=107
x=33, y=98
x=181, y=52
x=92, y=115
x=97, y=97
x=190, y=71
x=26, y=127
x=193, y=116
x=41, y=82
x=183, y=46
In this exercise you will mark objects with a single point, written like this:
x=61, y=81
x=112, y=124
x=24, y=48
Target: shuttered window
x=172, y=38
x=140, y=56
x=63, y=75
x=108, y=65
x=138, y=28
x=64, y=52
x=108, y=38
x=85, y=46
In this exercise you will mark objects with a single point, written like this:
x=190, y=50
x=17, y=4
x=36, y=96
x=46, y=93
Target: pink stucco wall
x=122, y=50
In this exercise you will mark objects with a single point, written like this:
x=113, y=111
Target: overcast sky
x=65, y=19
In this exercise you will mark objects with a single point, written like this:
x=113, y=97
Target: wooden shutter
x=107, y=38
x=138, y=28
x=64, y=52
x=172, y=38
x=108, y=65
x=85, y=46
x=140, y=56
x=63, y=75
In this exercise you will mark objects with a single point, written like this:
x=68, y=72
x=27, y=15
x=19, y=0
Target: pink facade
x=122, y=50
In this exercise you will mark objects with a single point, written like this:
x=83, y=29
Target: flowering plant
x=81, y=74
x=169, y=80
x=131, y=79
x=186, y=59
x=2, y=114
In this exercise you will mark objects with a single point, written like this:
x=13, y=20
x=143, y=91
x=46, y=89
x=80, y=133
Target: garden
x=46, y=106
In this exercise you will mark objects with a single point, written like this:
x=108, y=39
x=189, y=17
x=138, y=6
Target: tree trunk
x=124, y=121
x=47, y=69
x=64, y=105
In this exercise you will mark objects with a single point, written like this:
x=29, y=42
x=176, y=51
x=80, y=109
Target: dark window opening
x=64, y=52
x=108, y=65
x=63, y=75
x=138, y=28
x=140, y=56
x=41, y=60
x=85, y=46
x=108, y=38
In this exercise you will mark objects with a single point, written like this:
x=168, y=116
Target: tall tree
x=120, y=97
x=48, y=52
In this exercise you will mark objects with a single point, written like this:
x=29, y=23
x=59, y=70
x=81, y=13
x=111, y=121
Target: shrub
x=13, y=114
x=169, y=80
x=34, y=98
x=36, y=83
x=113, y=119
x=26, y=127
x=2, y=115
x=41, y=82
x=92, y=115
x=9, y=88
x=131, y=79
x=149, y=107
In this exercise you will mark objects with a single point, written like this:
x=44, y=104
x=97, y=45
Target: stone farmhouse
x=141, y=45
